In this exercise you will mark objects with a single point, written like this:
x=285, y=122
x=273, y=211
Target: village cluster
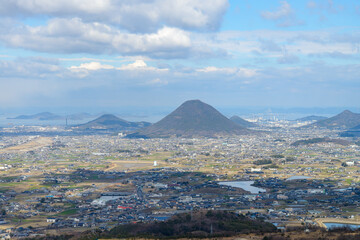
x=54, y=183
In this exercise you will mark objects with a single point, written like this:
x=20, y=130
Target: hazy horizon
x=154, y=114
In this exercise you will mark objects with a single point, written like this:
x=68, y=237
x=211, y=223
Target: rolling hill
x=110, y=122
x=344, y=120
x=352, y=132
x=242, y=122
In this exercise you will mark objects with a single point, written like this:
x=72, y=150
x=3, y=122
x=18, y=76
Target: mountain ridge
x=344, y=120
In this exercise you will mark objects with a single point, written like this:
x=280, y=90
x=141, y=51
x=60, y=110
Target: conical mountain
x=109, y=122
x=346, y=119
x=242, y=122
x=193, y=118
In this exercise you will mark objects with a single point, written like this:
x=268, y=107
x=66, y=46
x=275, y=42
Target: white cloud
x=140, y=65
x=157, y=44
x=136, y=65
x=246, y=72
x=83, y=59
x=75, y=36
x=39, y=81
x=273, y=43
x=283, y=11
x=55, y=7
x=239, y=72
x=29, y=67
x=84, y=69
x=284, y=15
x=133, y=15
x=92, y=66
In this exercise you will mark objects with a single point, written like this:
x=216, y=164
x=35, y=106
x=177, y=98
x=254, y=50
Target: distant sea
x=4, y=122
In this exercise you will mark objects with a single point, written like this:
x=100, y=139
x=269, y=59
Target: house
x=51, y=220
x=350, y=163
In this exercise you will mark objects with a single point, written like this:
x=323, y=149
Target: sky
x=101, y=54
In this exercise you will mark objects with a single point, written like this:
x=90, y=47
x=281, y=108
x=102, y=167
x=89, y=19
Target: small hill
x=40, y=116
x=192, y=118
x=320, y=140
x=311, y=118
x=242, y=122
x=352, y=132
x=203, y=224
x=344, y=120
x=110, y=122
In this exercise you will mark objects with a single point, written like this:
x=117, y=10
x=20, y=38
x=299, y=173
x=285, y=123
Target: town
x=56, y=183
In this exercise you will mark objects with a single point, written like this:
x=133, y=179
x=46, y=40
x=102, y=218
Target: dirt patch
x=29, y=146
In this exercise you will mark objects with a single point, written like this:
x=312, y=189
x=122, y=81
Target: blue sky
x=106, y=54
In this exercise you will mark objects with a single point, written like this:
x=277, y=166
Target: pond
x=246, y=185
x=341, y=225
x=297, y=178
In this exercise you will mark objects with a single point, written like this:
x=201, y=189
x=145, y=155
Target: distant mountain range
x=344, y=120
x=242, y=122
x=47, y=116
x=193, y=118
x=311, y=118
x=111, y=122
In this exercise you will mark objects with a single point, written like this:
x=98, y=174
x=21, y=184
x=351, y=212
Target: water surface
x=341, y=225
x=246, y=185
x=297, y=178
